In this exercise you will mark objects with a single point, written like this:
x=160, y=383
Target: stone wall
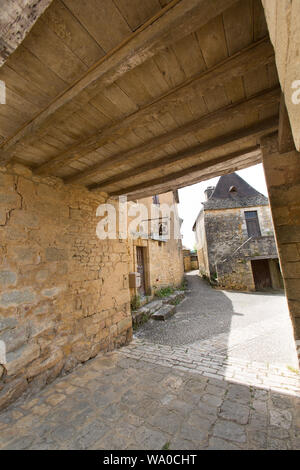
x=64, y=294
x=236, y=272
x=163, y=260
x=283, y=180
x=226, y=231
x=283, y=19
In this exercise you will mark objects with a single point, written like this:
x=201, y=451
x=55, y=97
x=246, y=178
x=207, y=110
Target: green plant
x=183, y=285
x=135, y=302
x=164, y=292
x=166, y=446
x=141, y=321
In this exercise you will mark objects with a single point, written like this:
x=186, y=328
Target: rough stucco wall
x=16, y=19
x=226, y=231
x=283, y=19
x=64, y=294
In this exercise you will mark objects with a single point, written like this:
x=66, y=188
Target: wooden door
x=141, y=269
x=261, y=274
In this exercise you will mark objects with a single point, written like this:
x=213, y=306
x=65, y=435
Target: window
x=155, y=200
x=252, y=224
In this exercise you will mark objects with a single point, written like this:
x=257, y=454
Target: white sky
x=191, y=197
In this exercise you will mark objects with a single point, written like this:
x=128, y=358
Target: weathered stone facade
x=225, y=249
x=64, y=293
x=163, y=260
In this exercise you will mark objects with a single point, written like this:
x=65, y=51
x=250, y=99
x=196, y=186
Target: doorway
x=261, y=274
x=140, y=262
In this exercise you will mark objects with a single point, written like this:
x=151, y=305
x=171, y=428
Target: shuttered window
x=252, y=224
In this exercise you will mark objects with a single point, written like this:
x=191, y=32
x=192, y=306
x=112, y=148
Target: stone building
x=235, y=238
x=157, y=257
x=190, y=259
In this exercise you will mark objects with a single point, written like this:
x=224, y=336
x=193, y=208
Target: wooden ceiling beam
x=210, y=120
x=254, y=56
x=255, y=131
x=175, y=21
x=237, y=162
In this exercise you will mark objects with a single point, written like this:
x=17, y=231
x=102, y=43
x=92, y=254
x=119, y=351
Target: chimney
x=208, y=192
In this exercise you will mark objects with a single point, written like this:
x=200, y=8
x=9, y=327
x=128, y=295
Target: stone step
x=139, y=316
x=174, y=298
x=164, y=312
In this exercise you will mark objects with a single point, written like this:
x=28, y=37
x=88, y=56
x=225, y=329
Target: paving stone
x=239, y=393
x=20, y=443
x=234, y=412
x=277, y=444
x=216, y=443
x=183, y=444
x=90, y=434
x=132, y=407
x=149, y=439
x=212, y=399
x=279, y=401
x=281, y=418
x=229, y=431
x=192, y=433
x=258, y=439
x=166, y=420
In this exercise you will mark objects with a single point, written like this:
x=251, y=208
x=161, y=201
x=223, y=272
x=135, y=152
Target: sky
x=191, y=197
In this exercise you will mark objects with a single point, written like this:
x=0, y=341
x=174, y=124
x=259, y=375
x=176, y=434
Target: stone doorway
x=140, y=264
x=261, y=274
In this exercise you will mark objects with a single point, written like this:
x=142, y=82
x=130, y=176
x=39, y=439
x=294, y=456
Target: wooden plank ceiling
x=139, y=97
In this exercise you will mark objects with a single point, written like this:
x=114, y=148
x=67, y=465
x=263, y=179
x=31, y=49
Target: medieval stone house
x=235, y=238
x=157, y=257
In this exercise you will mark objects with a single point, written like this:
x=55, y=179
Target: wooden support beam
x=237, y=162
x=285, y=136
x=255, y=131
x=213, y=119
x=250, y=58
x=178, y=19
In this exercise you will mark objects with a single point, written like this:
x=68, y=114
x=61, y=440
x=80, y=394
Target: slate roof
x=243, y=194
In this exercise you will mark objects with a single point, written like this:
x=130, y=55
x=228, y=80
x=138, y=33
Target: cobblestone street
x=153, y=396
x=118, y=402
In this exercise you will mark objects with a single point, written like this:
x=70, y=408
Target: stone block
x=125, y=324
x=15, y=338
x=154, y=306
x=6, y=323
x=7, y=278
x=56, y=254
x=18, y=359
x=164, y=313
x=41, y=366
x=17, y=297
x=12, y=391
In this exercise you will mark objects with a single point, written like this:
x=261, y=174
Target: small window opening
x=233, y=189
